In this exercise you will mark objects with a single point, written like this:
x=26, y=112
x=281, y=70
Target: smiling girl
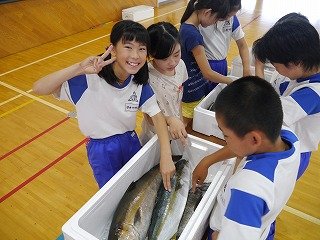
x=107, y=93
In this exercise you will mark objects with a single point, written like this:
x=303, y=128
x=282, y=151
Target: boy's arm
x=244, y=54
x=202, y=61
x=167, y=167
x=259, y=68
x=201, y=171
x=52, y=82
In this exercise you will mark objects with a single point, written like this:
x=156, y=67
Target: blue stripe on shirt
x=245, y=208
x=266, y=171
x=253, y=161
x=235, y=23
x=146, y=93
x=308, y=100
x=283, y=86
x=77, y=87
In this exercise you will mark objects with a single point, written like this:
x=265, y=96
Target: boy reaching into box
x=265, y=178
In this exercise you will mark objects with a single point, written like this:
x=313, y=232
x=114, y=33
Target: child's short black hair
x=163, y=39
x=127, y=30
x=248, y=104
x=291, y=40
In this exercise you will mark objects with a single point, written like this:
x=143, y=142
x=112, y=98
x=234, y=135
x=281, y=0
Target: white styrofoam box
x=237, y=70
x=138, y=13
x=93, y=219
x=204, y=120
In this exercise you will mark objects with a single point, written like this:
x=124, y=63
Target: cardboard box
x=137, y=13
x=204, y=120
x=92, y=221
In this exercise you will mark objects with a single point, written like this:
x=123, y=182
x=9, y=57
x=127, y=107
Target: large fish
x=170, y=205
x=133, y=215
x=194, y=199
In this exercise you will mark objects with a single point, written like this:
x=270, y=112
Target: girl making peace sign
x=107, y=93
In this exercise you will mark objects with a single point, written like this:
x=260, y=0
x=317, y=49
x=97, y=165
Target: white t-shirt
x=301, y=107
x=104, y=110
x=257, y=192
x=217, y=37
x=168, y=90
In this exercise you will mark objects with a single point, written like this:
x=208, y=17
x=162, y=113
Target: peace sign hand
x=94, y=64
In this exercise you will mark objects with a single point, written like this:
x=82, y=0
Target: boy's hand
x=94, y=64
x=177, y=129
x=199, y=174
x=167, y=170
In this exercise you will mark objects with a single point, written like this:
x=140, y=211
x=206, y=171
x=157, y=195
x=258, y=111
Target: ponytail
x=219, y=7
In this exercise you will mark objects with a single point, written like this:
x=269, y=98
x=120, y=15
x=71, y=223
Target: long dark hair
x=163, y=38
x=127, y=30
x=220, y=7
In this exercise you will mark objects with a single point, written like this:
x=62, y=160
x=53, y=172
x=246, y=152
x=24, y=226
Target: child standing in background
x=264, y=181
x=292, y=46
x=217, y=38
x=167, y=73
x=107, y=95
x=204, y=13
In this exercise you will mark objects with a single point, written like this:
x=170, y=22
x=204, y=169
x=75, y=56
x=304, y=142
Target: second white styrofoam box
x=204, y=120
x=138, y=13
x=92, y=221
x=237, y=69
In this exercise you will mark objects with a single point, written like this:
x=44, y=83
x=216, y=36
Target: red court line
x=16, y=189
x=32, y=139
x=251, y=21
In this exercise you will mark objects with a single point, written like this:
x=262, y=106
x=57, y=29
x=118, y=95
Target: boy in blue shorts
x=265, y=178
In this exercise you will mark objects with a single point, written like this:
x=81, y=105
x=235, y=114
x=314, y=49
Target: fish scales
x=170, y=205
x=193, y=201
x=133, y=214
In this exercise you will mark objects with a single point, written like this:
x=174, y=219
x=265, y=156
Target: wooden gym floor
x=44, y=173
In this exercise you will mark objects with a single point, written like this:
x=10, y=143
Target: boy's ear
x=255, y=138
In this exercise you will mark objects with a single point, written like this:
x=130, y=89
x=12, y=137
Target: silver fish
x=133, y=215
x=194, y=199
x=170, y=205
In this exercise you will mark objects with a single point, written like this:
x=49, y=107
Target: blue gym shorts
x=219, y=66
x=108, y=155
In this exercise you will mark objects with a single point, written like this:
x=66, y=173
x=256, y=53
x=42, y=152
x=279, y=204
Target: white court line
x=302, y=215
x=34, y=97
x=68, y=49
x=13, y=98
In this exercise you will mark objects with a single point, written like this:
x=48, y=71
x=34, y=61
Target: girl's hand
x=94, y=64
x=177, y=129
x=167, y=170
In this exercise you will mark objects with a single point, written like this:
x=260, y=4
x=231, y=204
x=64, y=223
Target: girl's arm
x=202, y=61
x=167, y=167
x=201, y=171
x=244, y=54
x=52, y=82
x=177, y=129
